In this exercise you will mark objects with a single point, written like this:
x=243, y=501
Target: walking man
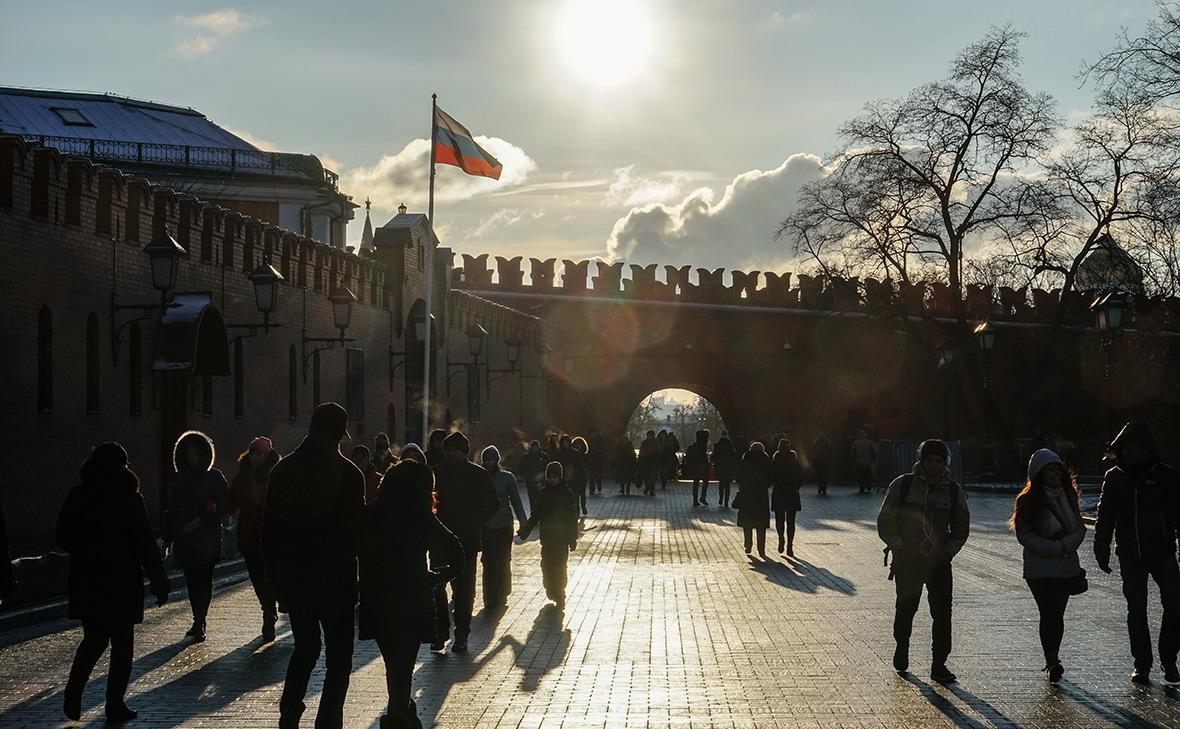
x=309, y=541
x=466, y=501
x=696, y=467
x=864, y=457
x=1140, y=507
x=924, y=522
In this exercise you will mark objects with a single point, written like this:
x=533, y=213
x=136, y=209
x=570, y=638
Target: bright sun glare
x=605, y=41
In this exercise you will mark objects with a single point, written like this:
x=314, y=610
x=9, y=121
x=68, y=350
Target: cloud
x=405, y=176
x=211, y=29
x=737, y=230
x=631, y=190
x=503, y=218
x=260, y=142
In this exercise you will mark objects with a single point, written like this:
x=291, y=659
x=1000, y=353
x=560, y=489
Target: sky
x=652, y=131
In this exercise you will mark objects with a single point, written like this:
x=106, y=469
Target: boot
x=119, y=711
x=268, y=627
x=901, y=658
x=72, y=703
x=790, y=550
x=782, y=546
x=1055, y=671
x=289, y=718
x=942, y=674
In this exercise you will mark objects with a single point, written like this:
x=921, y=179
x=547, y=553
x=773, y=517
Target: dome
x=1107, y=267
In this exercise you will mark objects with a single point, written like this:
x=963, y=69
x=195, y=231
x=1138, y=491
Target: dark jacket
x=753, y=477
x=557, y=514
x=1140, y=509
x=649, y=453
x=310, y=530
x=696, y=460
x=573, y=468
x=625, y=461
x=725, y=459
x=786, y=475
x=531, y=466
x=397, y=536
x=104, y=527
x=466, y=500
x=821, y=453
x=931, y=525
x=195, y=494
x=248, y=493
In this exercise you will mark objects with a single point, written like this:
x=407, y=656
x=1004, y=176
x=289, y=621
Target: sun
x=605, y=41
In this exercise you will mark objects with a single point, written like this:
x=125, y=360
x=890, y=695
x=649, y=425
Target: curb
x=225, y=573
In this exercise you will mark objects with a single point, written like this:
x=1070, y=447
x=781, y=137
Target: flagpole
x=429, y=278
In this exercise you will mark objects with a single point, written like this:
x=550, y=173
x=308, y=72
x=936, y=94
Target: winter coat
x=508, y=498
x=753, y=477
x=466, y=500
x=1140, y=509
x=104, y=527
x=396, y=596
x=863, y=452
x=649, y=453
x=573, y=468
x=597, y=451
x=932, y=524
x=725, y=460
x=310, y=530
x=786, y=475
x=696, y=460
x=625, y=462
x=532, y=466
x=248, y=494
x=1050, y=539
x=195, y=493
x=557, y=514
x=821, y=454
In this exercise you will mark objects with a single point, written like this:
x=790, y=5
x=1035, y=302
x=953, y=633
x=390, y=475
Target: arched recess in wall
x=678, y=411
x=292, y=383
x=44, y=360
x=135, y=370
x=93, y=378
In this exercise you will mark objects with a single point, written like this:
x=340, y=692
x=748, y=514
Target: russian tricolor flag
x=453, y=145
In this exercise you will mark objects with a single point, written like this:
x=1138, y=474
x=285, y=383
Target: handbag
x=1078, y=584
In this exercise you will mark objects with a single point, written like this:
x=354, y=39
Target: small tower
x=367, y=235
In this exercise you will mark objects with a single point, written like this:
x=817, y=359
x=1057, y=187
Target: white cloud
x=631, y=190
x=211, y=28
x=260, y=142
x=735, y=231
x=405, y=176
x=503, y=218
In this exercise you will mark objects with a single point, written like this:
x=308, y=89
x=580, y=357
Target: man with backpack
x=924, y=522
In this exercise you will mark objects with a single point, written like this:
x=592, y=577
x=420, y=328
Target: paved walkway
x=668, y=624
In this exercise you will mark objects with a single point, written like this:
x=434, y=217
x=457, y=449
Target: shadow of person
x=1105, y=709
x=544, y=649
x=947, y=707
x=822, y=576
x=460, y=669
x=49, y=700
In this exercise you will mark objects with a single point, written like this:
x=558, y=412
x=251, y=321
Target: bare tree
x=1146, y=66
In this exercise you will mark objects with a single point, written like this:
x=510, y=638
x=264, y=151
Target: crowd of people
x=392, y=540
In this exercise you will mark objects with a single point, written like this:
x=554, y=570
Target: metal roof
x=31, y=112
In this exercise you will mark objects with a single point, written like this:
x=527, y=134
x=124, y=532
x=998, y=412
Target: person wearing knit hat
x=556, y=512
x=466, y=501
x=1140, y=510
x=1048, y=523
x=497, y=533
x=248, y=494
x=924, y=522
x=412, y=452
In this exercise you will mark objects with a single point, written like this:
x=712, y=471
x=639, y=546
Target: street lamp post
x=986, y=335
x=1108, y=315
x=419, y=324
x=342, y=300
x=476, y=335
x=164, y=255
x=266, y=281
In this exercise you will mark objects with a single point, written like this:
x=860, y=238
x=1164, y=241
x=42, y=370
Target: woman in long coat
x=787, y=478
x=753, y=498
x=249, y=501
x=198, y=499
x=104, y=527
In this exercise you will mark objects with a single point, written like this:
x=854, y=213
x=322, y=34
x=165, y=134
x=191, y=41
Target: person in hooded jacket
x=557, y=515
x=434, y=447
x=753, y=498
x=310, y=538
x=625, y=465
x=466, y=501
x=1048, y=522
x=248, y=492
x=399, y=532
x=696, y=467
x=498, y=531
x=1140, y=509
x=531, y=468
x=924, y=522
x=786, y=476
x=725, y=466
x=104, y=527
x=198, y=499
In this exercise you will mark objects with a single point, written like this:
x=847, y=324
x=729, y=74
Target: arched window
x=93, y=399
x=135, y=371
x=239, y=381
x=45, y=360
x=292, y=383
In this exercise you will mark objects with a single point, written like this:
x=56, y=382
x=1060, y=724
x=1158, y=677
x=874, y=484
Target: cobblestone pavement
x=668, y=624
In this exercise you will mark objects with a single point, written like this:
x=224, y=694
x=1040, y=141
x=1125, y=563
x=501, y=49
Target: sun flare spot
x=605, y=41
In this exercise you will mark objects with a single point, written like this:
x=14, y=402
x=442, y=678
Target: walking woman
x=396, y=587
x=787, y=478
x=557, y=514
x=753, y=497
x=626, y=465
x=104, y=527
x=248, y=492
x=1048, y=524
x=198, y=497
